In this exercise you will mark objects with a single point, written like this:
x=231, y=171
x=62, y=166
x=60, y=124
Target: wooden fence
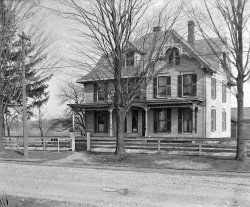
x=51, y=143
x=198, y=146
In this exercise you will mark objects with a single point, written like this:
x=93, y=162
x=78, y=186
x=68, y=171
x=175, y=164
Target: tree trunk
x=120, y=144
x=120, y=115
x=8, y=131
x=241, y=144
x=2, y=149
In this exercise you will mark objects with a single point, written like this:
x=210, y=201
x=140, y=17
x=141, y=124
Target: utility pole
x=25, y=136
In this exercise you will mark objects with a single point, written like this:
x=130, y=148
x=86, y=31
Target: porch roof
x=159, y=103
x=91, y=106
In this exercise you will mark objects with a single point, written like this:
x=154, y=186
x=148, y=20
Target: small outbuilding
x=246, y=121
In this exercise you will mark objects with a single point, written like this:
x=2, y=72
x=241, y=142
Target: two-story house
x=190, y=98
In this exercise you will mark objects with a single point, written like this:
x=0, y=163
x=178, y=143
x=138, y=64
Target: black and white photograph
x=124, y=103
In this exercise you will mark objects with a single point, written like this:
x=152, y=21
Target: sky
x=62, y=30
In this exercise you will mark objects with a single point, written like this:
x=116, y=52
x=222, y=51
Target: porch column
x=110, y=122
x=73, y=120
x=193, y=109
x=146, y=121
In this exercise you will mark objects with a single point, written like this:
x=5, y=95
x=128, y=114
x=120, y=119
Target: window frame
x=97, y=94
x=224, y=120
x=105, y=122
x=213, y=88
x=130, y=59
x=191, y=113
x=136, y=113
x=180, y=85
x=224, y=92
x=173, y=55
x=167, y=120
x=213, y=119
x=168, y=86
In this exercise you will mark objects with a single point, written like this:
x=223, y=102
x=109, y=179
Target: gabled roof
x=201, y=51
x=246, y=112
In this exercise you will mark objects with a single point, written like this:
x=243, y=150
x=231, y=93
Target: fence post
x=57, y=144
x=200, y=148
x=17, y=144
x=88, y=142
x=73, y=142
x=44, y=144
x=159, y=145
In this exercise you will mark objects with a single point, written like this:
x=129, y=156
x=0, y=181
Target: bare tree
x=108, y=28
x=42, y=111
x=12, y=117
x=229, y=21
x=70, y=93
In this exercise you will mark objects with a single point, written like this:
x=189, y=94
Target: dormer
x=130, y=59
x=132, y=55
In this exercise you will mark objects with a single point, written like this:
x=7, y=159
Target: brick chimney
x=191, y=36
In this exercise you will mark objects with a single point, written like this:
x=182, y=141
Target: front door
x=143, y=127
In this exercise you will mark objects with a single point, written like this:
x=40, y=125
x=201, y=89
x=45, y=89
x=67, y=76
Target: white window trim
x=162, y=97
x=187, y=73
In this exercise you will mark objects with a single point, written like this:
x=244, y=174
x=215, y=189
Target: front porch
x=161, y=118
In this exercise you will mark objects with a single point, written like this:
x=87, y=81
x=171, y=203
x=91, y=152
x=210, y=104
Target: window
x=224, y=121
x=224, y=93
x=101, y=122
x=213, y=120
x=130, y=58
x=173, y=55
x=187, y=85
x=185, y=120
x=162, y=86
x=162, y=120
x=100, y=94
x=213, y=88
x=134, y=120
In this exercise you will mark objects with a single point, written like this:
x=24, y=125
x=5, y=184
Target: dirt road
x=84, y=185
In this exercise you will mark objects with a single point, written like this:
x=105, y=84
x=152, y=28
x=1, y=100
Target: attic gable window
x=130, y=58
x=173, y=55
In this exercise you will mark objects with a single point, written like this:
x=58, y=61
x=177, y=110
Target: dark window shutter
x=196, y=120
x=215, y=89
x=95, y=92
x=180, y=121
x=179, y=85
x=169, y=120
x=106, y=123
x=155, y=87
x=169, y=85
x=155, y=120
x=194, y=84
x=95, y=122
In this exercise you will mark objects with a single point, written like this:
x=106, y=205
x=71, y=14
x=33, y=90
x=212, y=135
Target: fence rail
x=43, y=143
x=188, y=145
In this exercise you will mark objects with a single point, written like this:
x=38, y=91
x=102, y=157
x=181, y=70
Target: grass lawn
x=38, y=156
x=167, y=161
x=132, y=160
x=30, y=202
